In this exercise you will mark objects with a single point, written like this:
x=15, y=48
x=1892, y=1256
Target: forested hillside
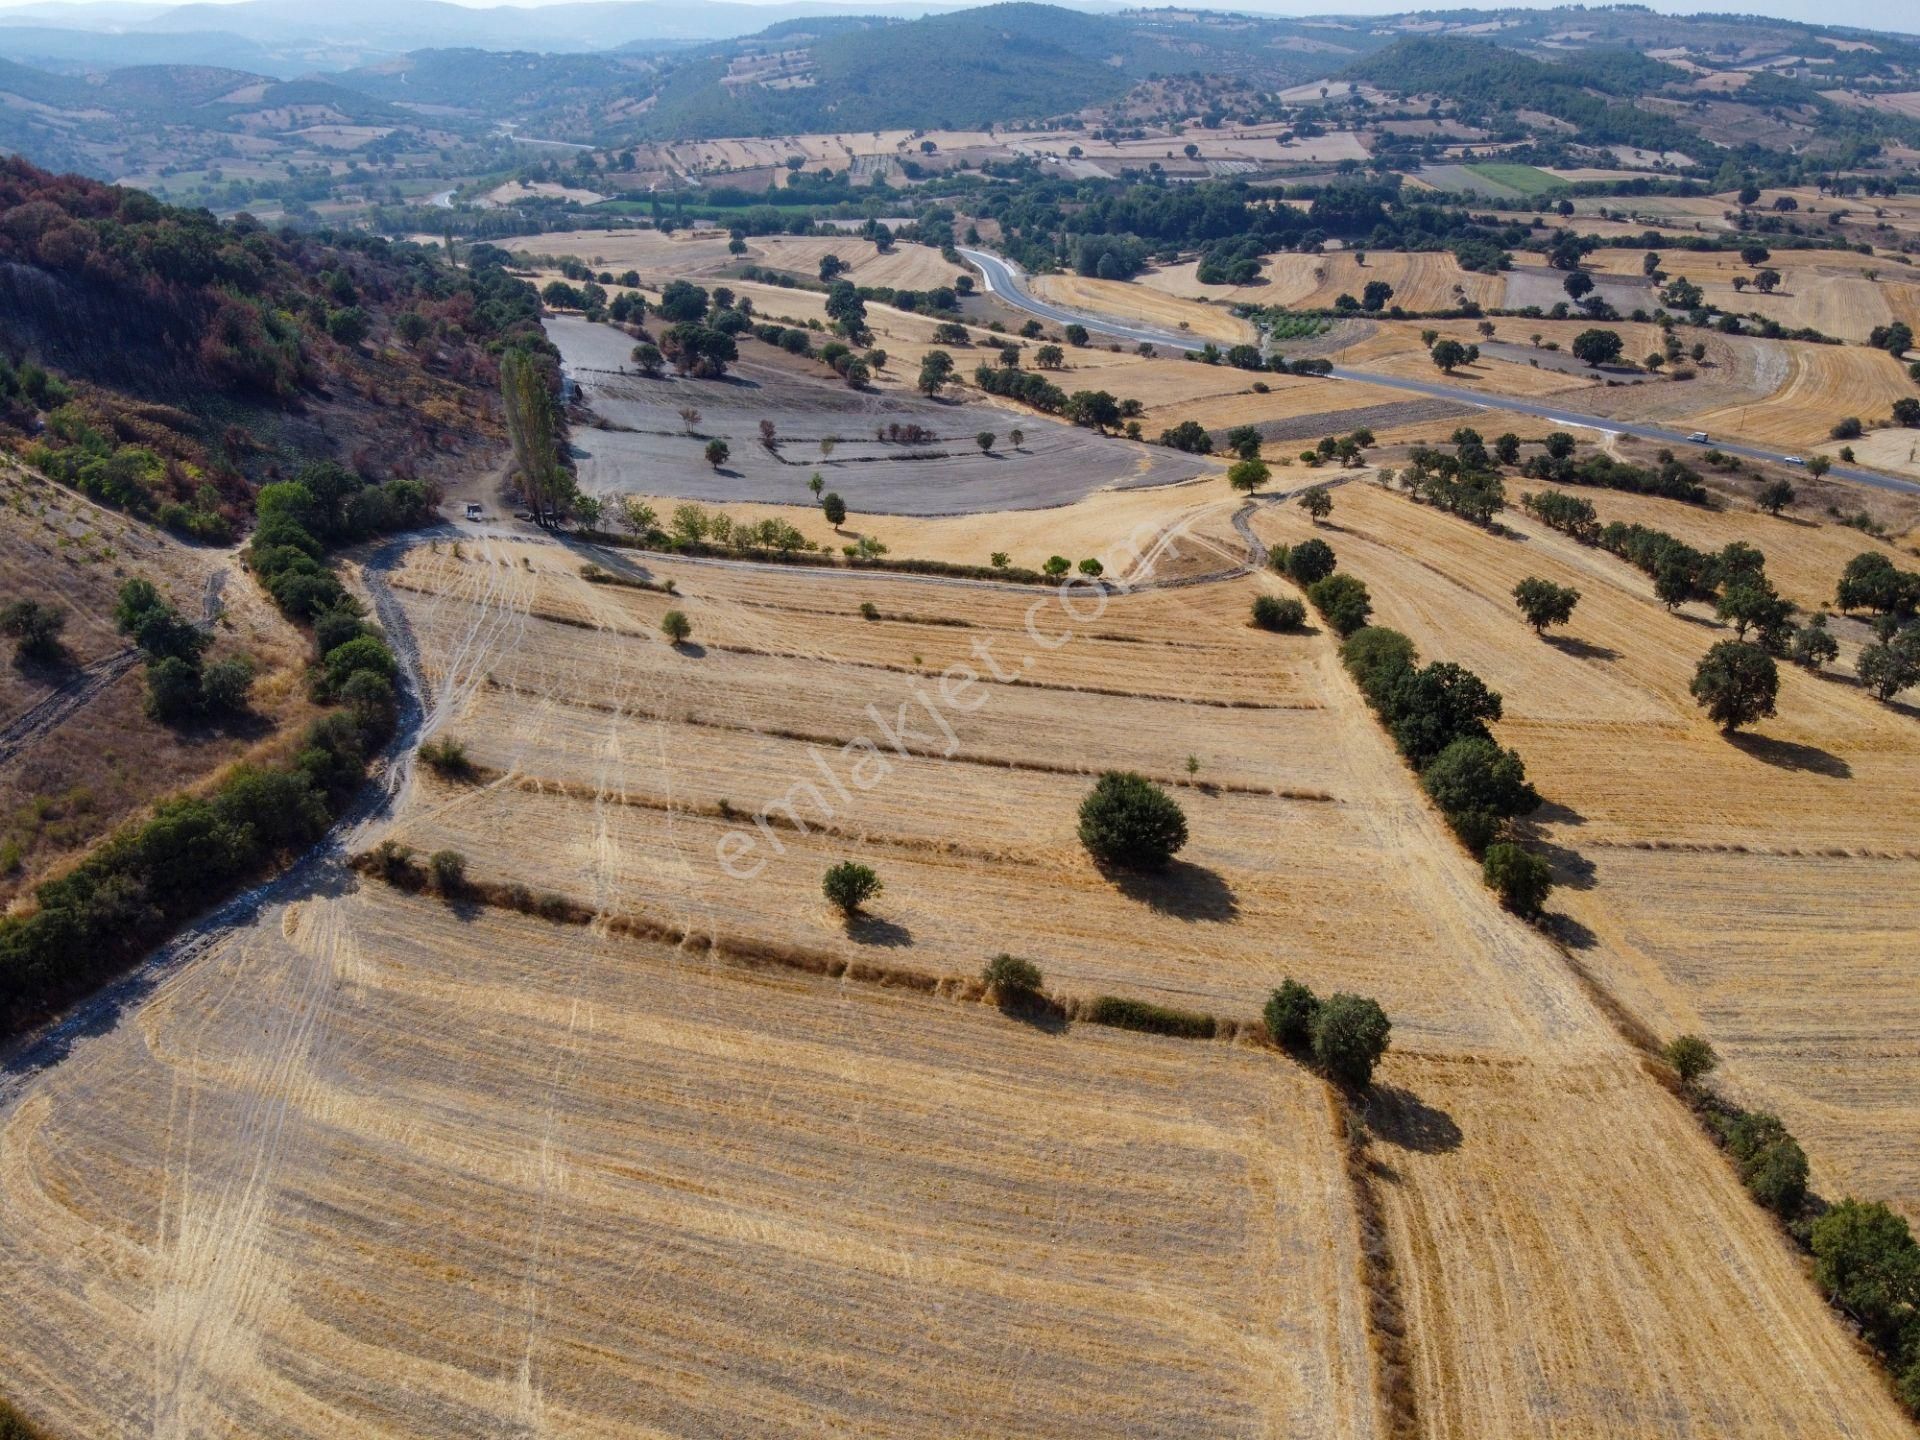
x=181, y=361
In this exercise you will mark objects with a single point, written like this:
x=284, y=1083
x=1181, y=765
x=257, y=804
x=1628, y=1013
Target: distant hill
x=1593, y=90
x=995, y=64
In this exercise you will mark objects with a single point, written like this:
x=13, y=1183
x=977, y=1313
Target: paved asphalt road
x=1004, y=279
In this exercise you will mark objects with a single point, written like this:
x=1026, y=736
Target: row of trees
x=1865, y=1258
x=1438, y=716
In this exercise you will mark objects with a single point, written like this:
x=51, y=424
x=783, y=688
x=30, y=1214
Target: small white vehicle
x=1795, y=460
x=1698, y=437
x=473, y=510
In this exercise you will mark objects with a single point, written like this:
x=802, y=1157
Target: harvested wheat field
x=704, y=1159
x=1575, y=1211
x=1420, y=281
x=1822, y=385
x=1294, y=794
x=1782, y=870
x=904, y=267
x=652, y=252
x=691, y=1198
x=1140, y=304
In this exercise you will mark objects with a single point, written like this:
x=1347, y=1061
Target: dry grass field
x=701, y=1192
x=73, y=769
x=1834, y=291
x=905, y=267
x=707, y=1158
x=1821, y=385
x=1419, y=281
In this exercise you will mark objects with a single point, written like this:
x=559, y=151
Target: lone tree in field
x=1813, y=645
x=935, y=371
x=834, y=508
x=1449, y=355
x=1598, y=347
x=689, y=418
x=1247, y=476
x=1011, y=978
x=1130, y=823
x=449, y=871
x=1776, y=495
x=1737, y=683
x=1016, y=438
x=717, y=453
x=1350, y=1033
x=1273, y=612
x=1545, y=603
x=676, y=627
x=985, y=441
x=1691, y=1057
x=1520, y=878
x=849, y=885
x=36, y=625
x=1289, y=1015
x=1317, y=501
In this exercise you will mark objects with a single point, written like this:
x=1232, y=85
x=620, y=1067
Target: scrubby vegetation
x=1128, y=1014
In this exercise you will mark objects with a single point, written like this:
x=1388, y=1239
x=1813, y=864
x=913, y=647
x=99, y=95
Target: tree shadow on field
x=1581, y=649
x=1791, y=755
x=464, y=908
x=1570, y=867
x=1403, y=1119
x=1552, y=812
x=1041, y=1012
x=1567, y=931
x=873, y=930
x=1183, y=890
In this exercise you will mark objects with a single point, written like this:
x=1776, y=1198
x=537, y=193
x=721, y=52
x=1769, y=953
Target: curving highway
x=1006, y=280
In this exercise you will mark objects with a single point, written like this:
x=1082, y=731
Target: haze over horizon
x=1863, y=14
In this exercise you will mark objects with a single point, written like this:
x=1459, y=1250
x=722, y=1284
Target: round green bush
x=1010, y=976
x=1129, y=822
x=849, y=885
x=1274, y=612
x=1350, y=1034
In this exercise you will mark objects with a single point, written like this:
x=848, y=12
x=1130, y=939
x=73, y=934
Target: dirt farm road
x=1005, y=280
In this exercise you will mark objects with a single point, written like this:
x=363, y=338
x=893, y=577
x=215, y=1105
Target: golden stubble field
x=386, y=1164
x=1761, y=890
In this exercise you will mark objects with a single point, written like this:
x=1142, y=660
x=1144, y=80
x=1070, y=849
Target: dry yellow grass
x=1125, y=301
x=1111, y=526
x=1615, y=1330
x=386, y=1165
